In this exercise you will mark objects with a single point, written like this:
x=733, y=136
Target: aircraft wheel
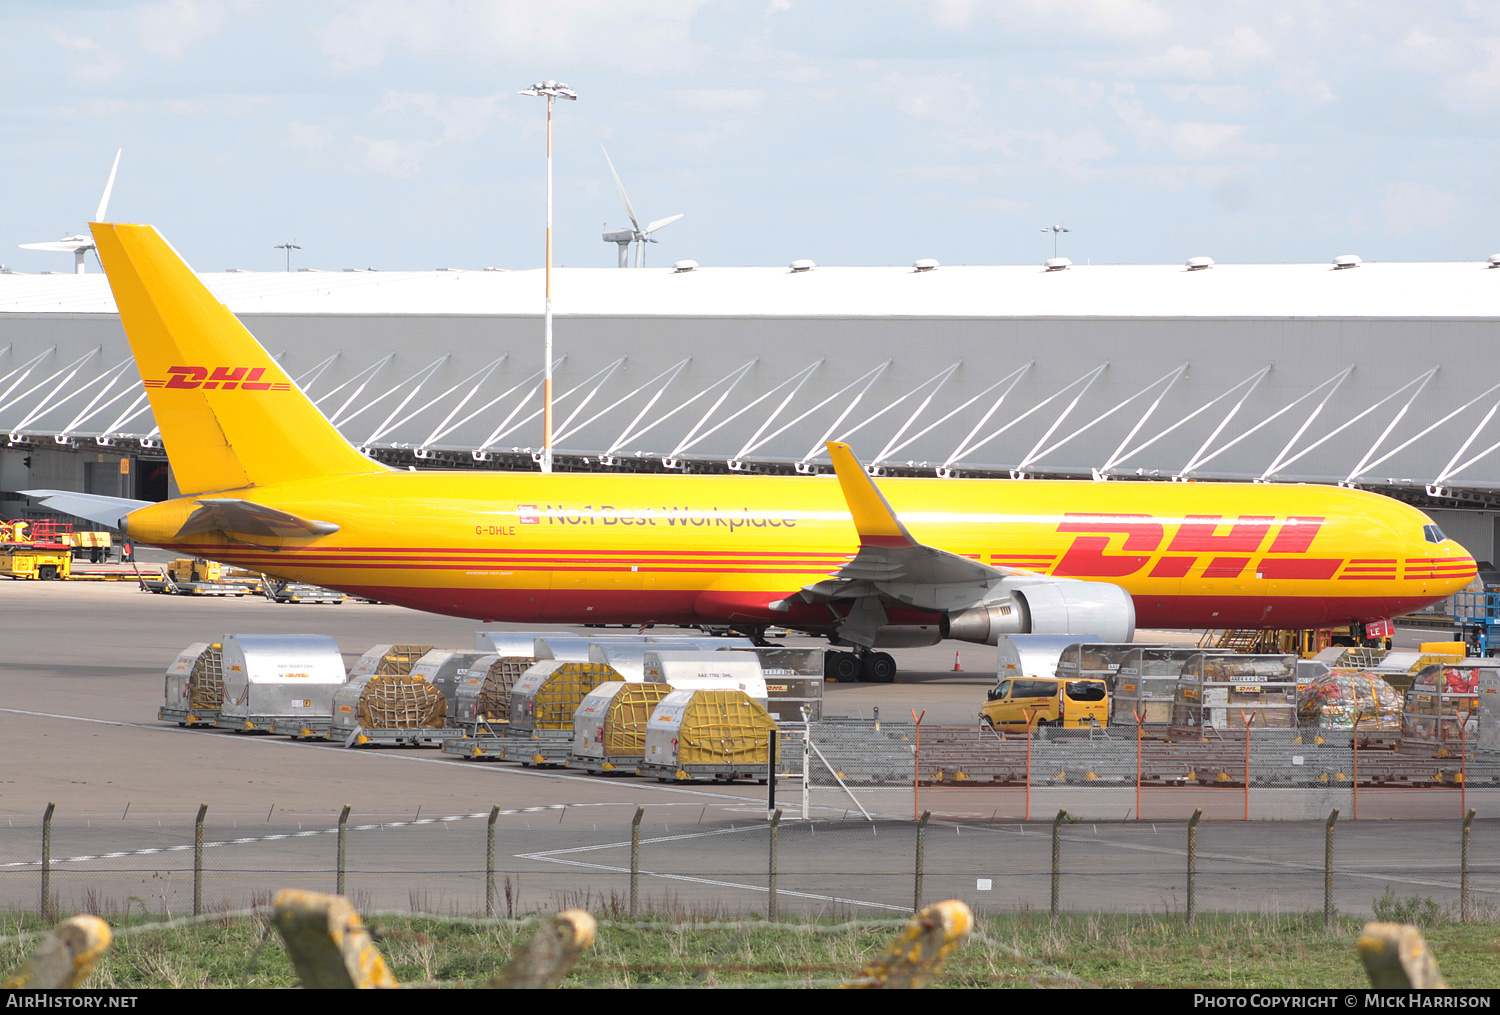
x=879, y=668
x=842, y=666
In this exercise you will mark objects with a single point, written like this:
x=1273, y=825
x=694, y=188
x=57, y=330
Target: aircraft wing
x=892, y=563
x=106, y=511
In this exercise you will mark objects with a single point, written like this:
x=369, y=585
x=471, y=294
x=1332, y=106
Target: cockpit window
x=1433, y=534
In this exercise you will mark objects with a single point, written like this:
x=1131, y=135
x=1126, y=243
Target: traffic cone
x=957, y=666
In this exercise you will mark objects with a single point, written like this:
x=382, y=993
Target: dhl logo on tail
x=222, y=378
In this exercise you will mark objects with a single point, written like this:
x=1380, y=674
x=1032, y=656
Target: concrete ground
x=81, y=678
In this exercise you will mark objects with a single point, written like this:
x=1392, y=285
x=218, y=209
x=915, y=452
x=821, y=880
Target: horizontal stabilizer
x=106, y=511
x=223, y=514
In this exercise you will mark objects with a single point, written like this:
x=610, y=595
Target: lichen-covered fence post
x=918, y=952
x=329, y=944
x=63, y=958
x=550, y=954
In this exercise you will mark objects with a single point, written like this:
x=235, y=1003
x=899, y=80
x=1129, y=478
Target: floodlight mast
x=1054, y=230
x=551, y=90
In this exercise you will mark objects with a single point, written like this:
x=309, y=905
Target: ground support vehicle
x=35, y=562
x=1046, y=701
x=296, y=592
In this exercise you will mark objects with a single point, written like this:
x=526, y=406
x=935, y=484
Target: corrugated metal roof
x=1379, y=290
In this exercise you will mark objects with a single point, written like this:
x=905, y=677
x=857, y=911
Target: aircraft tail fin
x=230, y=417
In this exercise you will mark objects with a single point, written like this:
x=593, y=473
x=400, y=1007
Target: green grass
x=1020, y=950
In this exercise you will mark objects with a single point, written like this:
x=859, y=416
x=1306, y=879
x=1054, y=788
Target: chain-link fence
x=679, y=862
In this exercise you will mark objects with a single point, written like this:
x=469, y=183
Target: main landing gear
x=866, y=666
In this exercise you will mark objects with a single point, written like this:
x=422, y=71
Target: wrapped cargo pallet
x=391, y=708
x=541, y=714
x=274, y=678
x=609, y=728
x=720, y=735
x=389, y=660
x=194, y=689
x=1346, y=701
x=483, y=695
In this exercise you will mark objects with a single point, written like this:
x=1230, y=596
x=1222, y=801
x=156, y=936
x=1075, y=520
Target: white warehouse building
x=1375, y=375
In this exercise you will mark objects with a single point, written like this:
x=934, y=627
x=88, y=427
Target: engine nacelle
x=1062, y=607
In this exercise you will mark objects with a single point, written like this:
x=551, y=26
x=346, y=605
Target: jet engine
x=1065, y=607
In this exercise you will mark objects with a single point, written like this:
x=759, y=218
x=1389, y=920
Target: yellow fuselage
x=628, y=549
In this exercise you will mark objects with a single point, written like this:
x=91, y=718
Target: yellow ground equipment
x=719, y=735
x=35, y=551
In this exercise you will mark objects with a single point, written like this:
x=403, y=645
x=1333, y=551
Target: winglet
x=874, y=520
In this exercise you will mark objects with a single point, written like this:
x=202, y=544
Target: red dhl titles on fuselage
x=606, y=549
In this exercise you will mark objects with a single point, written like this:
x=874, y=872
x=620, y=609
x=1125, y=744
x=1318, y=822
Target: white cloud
x=1230, y=98
x=92, y=64
x=394, y=157
x=1190, y=140
x=170, y=29
x=308, y=136
x=1095, y=18
x=1477, y=88
x=714, y=100
x=463, y=117
x=1409, y=207
x=627, y=39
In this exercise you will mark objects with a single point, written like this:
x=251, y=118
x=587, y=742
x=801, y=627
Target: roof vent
x=1057, y=264
x=1199, y=263
x=803, y=264
x=924, y=264
x=1347, y=261
x=681, y=266
x=1495, y=260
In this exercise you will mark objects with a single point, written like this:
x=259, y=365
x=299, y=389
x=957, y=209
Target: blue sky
x=389, y=134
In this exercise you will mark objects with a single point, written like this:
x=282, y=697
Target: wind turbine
x=79, y=245
x=635, y=234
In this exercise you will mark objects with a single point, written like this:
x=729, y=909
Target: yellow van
x=1046, y=701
